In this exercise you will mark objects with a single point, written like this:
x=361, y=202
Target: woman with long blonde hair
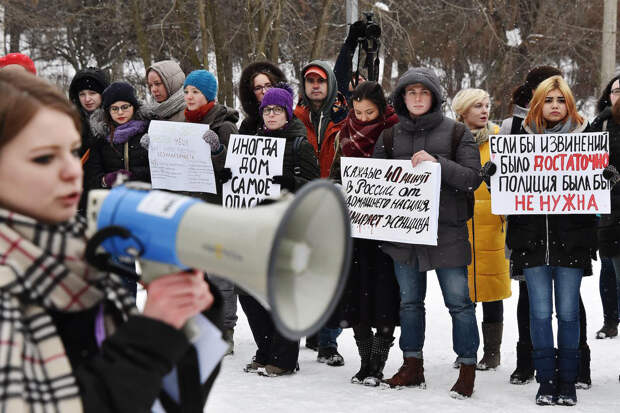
x=488, y=273
x=554, y=252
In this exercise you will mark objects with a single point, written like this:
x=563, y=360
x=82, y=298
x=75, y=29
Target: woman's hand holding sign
x=421, y=156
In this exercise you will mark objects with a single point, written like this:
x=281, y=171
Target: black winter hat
x=118, y=91
x=90, y=78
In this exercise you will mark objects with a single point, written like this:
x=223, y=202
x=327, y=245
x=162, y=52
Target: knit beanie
x=88, y=79
x=279, y=95
x=119, y=91
x=18, y=59
x=204, y=81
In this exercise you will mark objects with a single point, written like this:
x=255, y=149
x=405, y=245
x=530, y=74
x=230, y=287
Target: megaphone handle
x=151, y=271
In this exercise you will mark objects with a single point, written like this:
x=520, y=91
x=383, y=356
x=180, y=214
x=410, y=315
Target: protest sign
x=180, y=160
x=550, y=174
x=254, y=161
x=390, y=200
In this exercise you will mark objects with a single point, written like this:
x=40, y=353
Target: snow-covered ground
x=320, y=388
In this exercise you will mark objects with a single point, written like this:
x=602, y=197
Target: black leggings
x=493, y=312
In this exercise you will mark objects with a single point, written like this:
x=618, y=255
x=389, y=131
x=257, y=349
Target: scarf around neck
x=41, y=270
x=358, y=138
x=562, y=127
x=124, y=132
x=196, y=116
x=170, y=106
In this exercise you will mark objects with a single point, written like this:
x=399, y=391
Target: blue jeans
x=328, y=336
x=540, y=287
x=453, y=283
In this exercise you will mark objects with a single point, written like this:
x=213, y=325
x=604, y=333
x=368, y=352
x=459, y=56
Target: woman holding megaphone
x=554, y=252
x=276, y=355
x=71, y=339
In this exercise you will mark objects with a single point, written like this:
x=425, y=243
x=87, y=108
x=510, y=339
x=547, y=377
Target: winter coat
x=222, y=120
x=559, y=240
x=609, y=224
x=488, y=272
x=253, y=121
x=108, y=157
x=433, y=133
x=88, y=139
x=172, y=77
x=322, y=125
x=304, y=158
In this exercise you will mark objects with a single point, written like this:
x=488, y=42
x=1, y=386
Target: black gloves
x=487, y=171
x=223, y=176
x=285, y=181
x=357, y=30
x=611, y=174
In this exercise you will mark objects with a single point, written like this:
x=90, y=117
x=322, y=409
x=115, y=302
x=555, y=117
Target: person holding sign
x=488, y=273
x=554, y=252
x=72, y=338
x=424, y=134
x=370, y=298
x=276, y=355
x=608, y=120
x=200, y=91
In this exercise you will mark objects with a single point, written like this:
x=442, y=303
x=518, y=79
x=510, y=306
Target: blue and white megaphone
x=291, y=255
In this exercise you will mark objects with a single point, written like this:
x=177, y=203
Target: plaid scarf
x=42, y=268
x=358, y=138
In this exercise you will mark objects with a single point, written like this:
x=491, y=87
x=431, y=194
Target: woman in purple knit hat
x=276, y=355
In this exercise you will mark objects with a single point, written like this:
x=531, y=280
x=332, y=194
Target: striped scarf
x=42, y=268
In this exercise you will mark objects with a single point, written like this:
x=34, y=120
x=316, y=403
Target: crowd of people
x=80, y=343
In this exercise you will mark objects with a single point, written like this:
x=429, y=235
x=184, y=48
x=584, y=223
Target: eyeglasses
x=615, y=91
x=122, y=108
x=262, y=88
x=276, y=110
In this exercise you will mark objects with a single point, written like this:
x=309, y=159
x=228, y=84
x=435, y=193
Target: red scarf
x=196, y=116
x=358, y=138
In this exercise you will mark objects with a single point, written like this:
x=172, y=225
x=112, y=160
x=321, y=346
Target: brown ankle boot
x=410, y=374
x=464, y=386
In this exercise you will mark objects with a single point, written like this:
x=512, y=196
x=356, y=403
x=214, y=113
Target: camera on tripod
x=372, y=30
x=368, y=40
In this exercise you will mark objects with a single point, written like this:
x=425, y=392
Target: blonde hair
x=465, y=99
x=535, y=114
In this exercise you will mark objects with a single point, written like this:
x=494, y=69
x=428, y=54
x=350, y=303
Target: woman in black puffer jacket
x=276, y=355
x=118, y=126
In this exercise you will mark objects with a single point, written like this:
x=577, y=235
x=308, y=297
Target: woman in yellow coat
x=488, y=273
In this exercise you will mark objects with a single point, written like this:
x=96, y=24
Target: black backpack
x=457, y=134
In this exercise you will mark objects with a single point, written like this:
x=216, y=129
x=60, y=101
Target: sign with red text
x=390, y=200
x=550, y=174
x=254, y=161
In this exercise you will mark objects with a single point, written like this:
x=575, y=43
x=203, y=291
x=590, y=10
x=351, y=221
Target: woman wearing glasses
x=118, y=126
x=256, y=79
x=276, y=355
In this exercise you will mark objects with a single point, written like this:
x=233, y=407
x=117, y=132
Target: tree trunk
x=275, y=38
x=608, y=45
x=190, y=49
x=386, y=81
x=143, y=44
x=204, y=34
x=321, y=31
x=224, y=90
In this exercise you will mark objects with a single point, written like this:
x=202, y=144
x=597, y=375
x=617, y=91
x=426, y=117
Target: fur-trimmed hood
x=99, y=127
x=249, y=103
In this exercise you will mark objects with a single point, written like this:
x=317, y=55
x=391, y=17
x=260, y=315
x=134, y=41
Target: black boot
x=492, y=337
x=568, y=368
x=584, y=381
x=524, y=373
x=545, y=362
x=364, y=347
x=380, y=351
